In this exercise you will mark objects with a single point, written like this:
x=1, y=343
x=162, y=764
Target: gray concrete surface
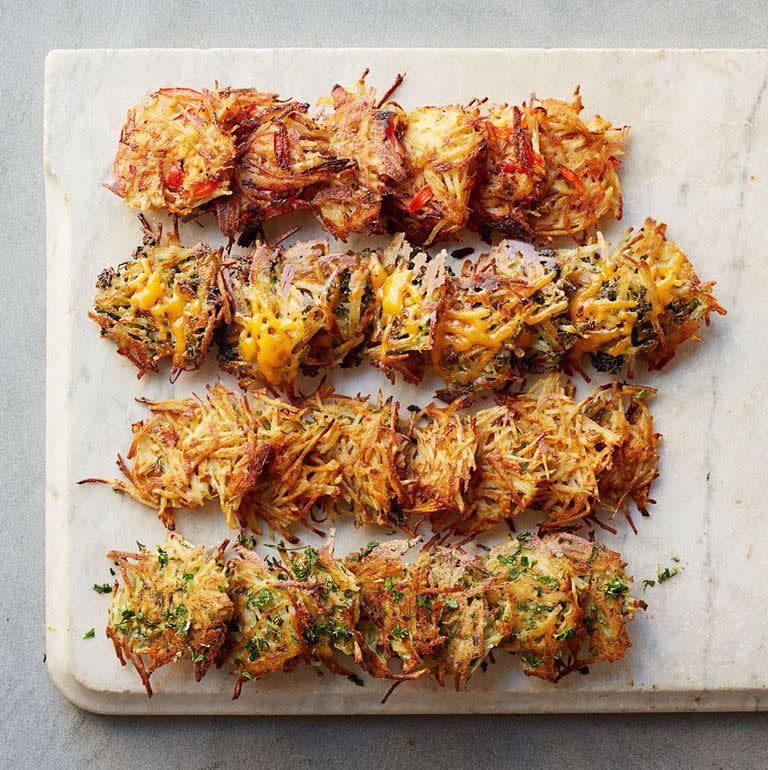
x=38, y=728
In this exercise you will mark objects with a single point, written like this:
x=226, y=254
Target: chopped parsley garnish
x=90, y=634
x=247, y=541
x=329, y=628
x=615, y=587
x=303, y=565
x=102, y=588
x=667, y=573
x=400, y=633
x=548, y=581
x=162, y=556
x=390, y=586
x=368, y=548
x=261, y=600
x=255, y=647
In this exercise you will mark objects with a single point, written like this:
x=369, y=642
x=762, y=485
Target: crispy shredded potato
x=408, y=288
x=274, y=315
x=303, y=610
x=266, y=634
x=365, y=136
x=264, y=460
x=540, y=450
x=580, y=161
x=294, y=309
x=163, y=303
x=282, y=311
x=639, y=302
x=482, y=326
x=442, y=145
x=557, y=602
x=371, y=455
x=442, y=463
x=281, y=152
x=535, y=171
x=191, y=451
x=172, y=604
x=173, y=153
x=509, y=312
x=511, y=174
x=545, y=599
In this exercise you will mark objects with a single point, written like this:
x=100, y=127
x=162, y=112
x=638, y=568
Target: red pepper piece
x=573, y=179
x=391, y=129
x=204, y=189
x=175, y=178
x=421, y=199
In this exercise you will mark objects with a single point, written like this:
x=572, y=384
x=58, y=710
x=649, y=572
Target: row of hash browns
x=556, y=602
x=537, y=171
x=267, y=461
x=277, y=312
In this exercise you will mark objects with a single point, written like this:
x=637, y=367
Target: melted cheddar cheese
x=149, y=294
x=472, y=328
x=269, y=340
x=394, y=291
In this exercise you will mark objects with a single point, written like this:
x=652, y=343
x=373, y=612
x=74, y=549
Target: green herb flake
x=400, y=633
x=368, y=548
x=615, y=587
x=667, y=573
x=247, y=541
x=90, y=634
x=102, y=588
x=390, y=586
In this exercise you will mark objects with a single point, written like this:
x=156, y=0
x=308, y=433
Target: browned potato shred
x=264, y=460
x=164, y=303
x=173, y=153
x=172, y=603
x=280, y=311
x=557, y=602
x=534, y=171
x=540, y=450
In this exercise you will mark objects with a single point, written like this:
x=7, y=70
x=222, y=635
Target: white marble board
x=698, y=160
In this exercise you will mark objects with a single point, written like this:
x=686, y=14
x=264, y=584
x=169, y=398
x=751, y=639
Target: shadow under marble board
x=697, y=160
